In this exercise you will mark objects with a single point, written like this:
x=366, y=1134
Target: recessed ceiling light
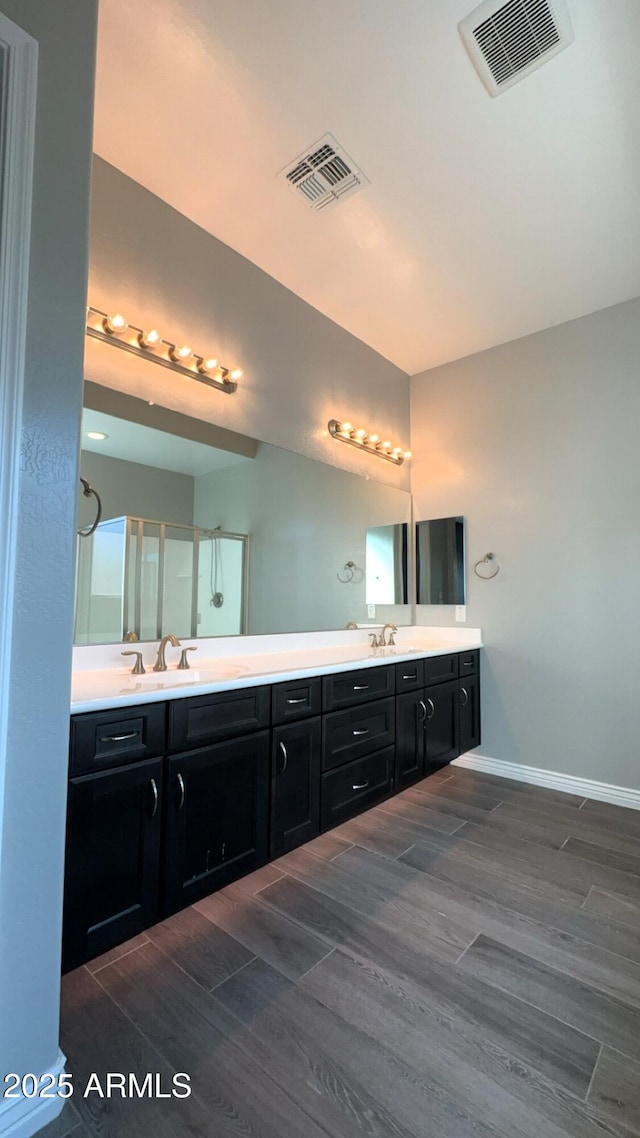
x=99, y=436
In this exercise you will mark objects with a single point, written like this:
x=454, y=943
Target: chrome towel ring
x=486, y=560
x=349, y=567
x=89, y=492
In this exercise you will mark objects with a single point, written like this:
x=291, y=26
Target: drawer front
x=409, y=676
x=439, y=669
x=209, y=718
x=296, y=700
x=352, y=788
x=468, y=663
x=350, y=734
x=110, y=738
x=347, y=689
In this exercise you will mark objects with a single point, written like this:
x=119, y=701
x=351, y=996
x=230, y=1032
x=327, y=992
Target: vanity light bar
x=148, y=343
x=358, y=437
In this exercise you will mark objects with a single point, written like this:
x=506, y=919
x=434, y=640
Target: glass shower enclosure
x=134, y=575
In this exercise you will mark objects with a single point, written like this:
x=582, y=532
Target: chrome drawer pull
x=303, y=700
x=467, y=663
x=364, y=732
x=433, y=710
x=286, y=757
x=119, y=738
x=465, y=693
x=424, y=710
x=361, y=687
x=154, y=789
x=360, y=785
x=409, y=677
x=181, y=785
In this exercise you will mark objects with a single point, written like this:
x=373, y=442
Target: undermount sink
x=174, y=677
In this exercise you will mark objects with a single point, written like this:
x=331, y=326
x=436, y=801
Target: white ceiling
x=151, y=447
x=486, y=219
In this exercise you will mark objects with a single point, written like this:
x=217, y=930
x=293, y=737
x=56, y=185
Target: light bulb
x=149, y=339
x=236, y=373
x=373, y=439
x=116, y=323
x=179, y=355
x=361, y=433
x=346, y=428
x=386, y=445
x=408, y=454
x=207, y=365
x=397, y=450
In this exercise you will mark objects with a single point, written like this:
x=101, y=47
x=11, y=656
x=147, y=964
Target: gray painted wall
x=36, y=778
x=159, y=269
x=136, y=489
x=536, y=444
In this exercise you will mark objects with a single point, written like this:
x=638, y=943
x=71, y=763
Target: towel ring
x=350, y=568
x=487, y=559
x=89, y=492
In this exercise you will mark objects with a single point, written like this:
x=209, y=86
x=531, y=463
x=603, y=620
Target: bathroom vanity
x=175, y=791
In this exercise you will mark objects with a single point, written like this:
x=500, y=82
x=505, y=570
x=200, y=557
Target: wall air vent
x=324, y=174
x=508, y=41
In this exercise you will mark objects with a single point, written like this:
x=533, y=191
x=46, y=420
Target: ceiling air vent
x=508, y=41
x=324, y=174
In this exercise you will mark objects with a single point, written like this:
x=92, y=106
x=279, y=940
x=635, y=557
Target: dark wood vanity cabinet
x=440, y=721
x=170, y=801
x=113, y=858
x=216, y=819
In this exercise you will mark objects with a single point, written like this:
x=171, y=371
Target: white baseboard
x=571, y=784
x=22, y=1117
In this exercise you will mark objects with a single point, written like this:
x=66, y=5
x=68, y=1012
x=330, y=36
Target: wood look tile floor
x=463, y=960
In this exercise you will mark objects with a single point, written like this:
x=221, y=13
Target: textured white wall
x=135, y=489
x=536, y=444
x=36, y=777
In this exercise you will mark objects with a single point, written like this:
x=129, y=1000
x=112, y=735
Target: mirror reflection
x=387, y=565
x=440, y=569
x=202, y=541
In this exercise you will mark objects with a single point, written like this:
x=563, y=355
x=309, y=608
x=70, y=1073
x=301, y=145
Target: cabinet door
x=295, y=785
x=113, y=858
x=217, y=813
x=442, y=729
x=411, y=718
x=469, y=713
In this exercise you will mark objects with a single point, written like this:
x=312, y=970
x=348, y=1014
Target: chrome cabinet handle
x=365, y=731
x=180, y=781
x=303, y=700
x=467, y=663
x=154, y=791
x=424, y=710
x=410, y=677
x=465, y=693
x=286, y=757
x=360, y=785
x=361, y=687
x=119, y=738
x=433, y=709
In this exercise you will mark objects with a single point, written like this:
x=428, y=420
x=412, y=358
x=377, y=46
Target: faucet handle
x=374, y=640
x=138, y=668
x=184, y=663
x=391, y=641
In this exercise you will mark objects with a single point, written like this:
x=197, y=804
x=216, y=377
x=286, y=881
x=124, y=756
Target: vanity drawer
x=295, y=700
x=108, y=738
x=206, y=719
x=409, y=676
x=347, y=688
x=439, y=669
x=468, y=662
x=348, y=735
x=356, y=786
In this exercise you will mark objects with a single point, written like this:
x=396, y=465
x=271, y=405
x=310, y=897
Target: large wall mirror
x=209, y=533
x=440, y=564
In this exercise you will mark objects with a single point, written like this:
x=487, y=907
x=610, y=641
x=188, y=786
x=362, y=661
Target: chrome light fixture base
x=366, y=441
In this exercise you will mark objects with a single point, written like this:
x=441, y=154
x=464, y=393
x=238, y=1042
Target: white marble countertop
x=218, y=668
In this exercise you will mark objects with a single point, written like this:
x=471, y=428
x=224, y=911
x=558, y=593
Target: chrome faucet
x=351, y=624
x=161, y=664
x=390, y=642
